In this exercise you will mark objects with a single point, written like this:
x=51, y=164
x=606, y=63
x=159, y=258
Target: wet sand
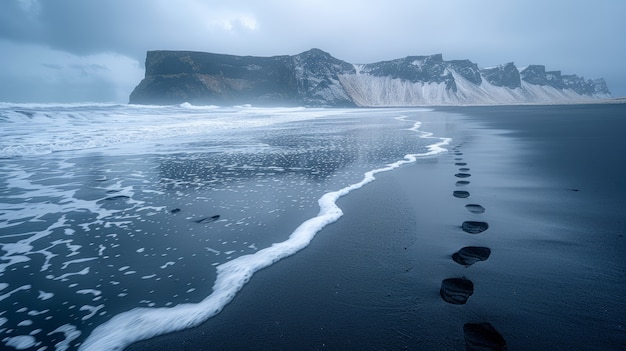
x=530, y=256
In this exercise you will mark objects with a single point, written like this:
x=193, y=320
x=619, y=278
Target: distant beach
x=512, y=239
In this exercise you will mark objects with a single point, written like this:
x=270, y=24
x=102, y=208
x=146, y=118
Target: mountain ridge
x=316, y=78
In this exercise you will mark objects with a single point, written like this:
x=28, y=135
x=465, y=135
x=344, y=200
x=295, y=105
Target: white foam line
x=65, y=264
x=144, y=323
x=64, y=277
x=23, y=287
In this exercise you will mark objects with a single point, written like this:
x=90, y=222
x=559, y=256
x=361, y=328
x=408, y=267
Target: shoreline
x=372, y=279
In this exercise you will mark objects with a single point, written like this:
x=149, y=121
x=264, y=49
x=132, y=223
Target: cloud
x=34, y=73
x=580, y=37
x=234, y=22
x=362, y=31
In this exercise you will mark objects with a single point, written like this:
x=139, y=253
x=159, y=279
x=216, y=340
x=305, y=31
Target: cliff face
x=503, y=76
x=315, y=78
x=310, y=78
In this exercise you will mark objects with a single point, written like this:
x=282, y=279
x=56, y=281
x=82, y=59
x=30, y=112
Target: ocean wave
x=34, y=105
x=37, y=129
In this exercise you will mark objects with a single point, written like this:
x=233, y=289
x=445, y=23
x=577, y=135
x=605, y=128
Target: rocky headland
x=315, y=78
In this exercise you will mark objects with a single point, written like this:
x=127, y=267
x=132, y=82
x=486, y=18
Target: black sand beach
x=545, y=218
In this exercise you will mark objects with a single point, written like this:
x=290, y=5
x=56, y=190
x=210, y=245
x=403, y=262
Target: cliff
x=315, y=78
x=310, y=78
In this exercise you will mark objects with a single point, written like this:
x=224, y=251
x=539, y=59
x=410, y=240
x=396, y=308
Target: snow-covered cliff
x=315, y=78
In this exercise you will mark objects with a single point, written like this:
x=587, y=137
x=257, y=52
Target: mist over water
x=106, y=208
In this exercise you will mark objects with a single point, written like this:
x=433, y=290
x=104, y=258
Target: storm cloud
x=84, y=50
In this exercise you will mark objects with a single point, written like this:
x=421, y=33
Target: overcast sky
x=94, y=50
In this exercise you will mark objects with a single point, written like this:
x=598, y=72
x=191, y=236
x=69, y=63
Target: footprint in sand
x=475, y=208
x=469, y=255
x=461, y=194
x=474, y=227
x=478, y=336
x=456, y=290
x=483, y=337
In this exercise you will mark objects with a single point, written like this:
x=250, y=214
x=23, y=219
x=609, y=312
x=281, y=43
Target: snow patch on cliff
x=370, y=91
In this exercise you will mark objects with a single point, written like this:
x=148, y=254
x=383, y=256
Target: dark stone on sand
x=462, y=175
x=475, y=208
x=461, y=194
x=117, y=197
x=483, y=337
x=469, y=255
x=462, y=183
x=207, y=219
x=176, y=210
x=456, y=290
x=474, y=227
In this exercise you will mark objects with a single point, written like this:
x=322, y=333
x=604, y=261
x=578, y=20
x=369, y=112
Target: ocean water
x=121, y=222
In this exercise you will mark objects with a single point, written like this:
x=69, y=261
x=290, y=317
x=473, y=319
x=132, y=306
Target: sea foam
x=39, y=129
x=143, y=323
